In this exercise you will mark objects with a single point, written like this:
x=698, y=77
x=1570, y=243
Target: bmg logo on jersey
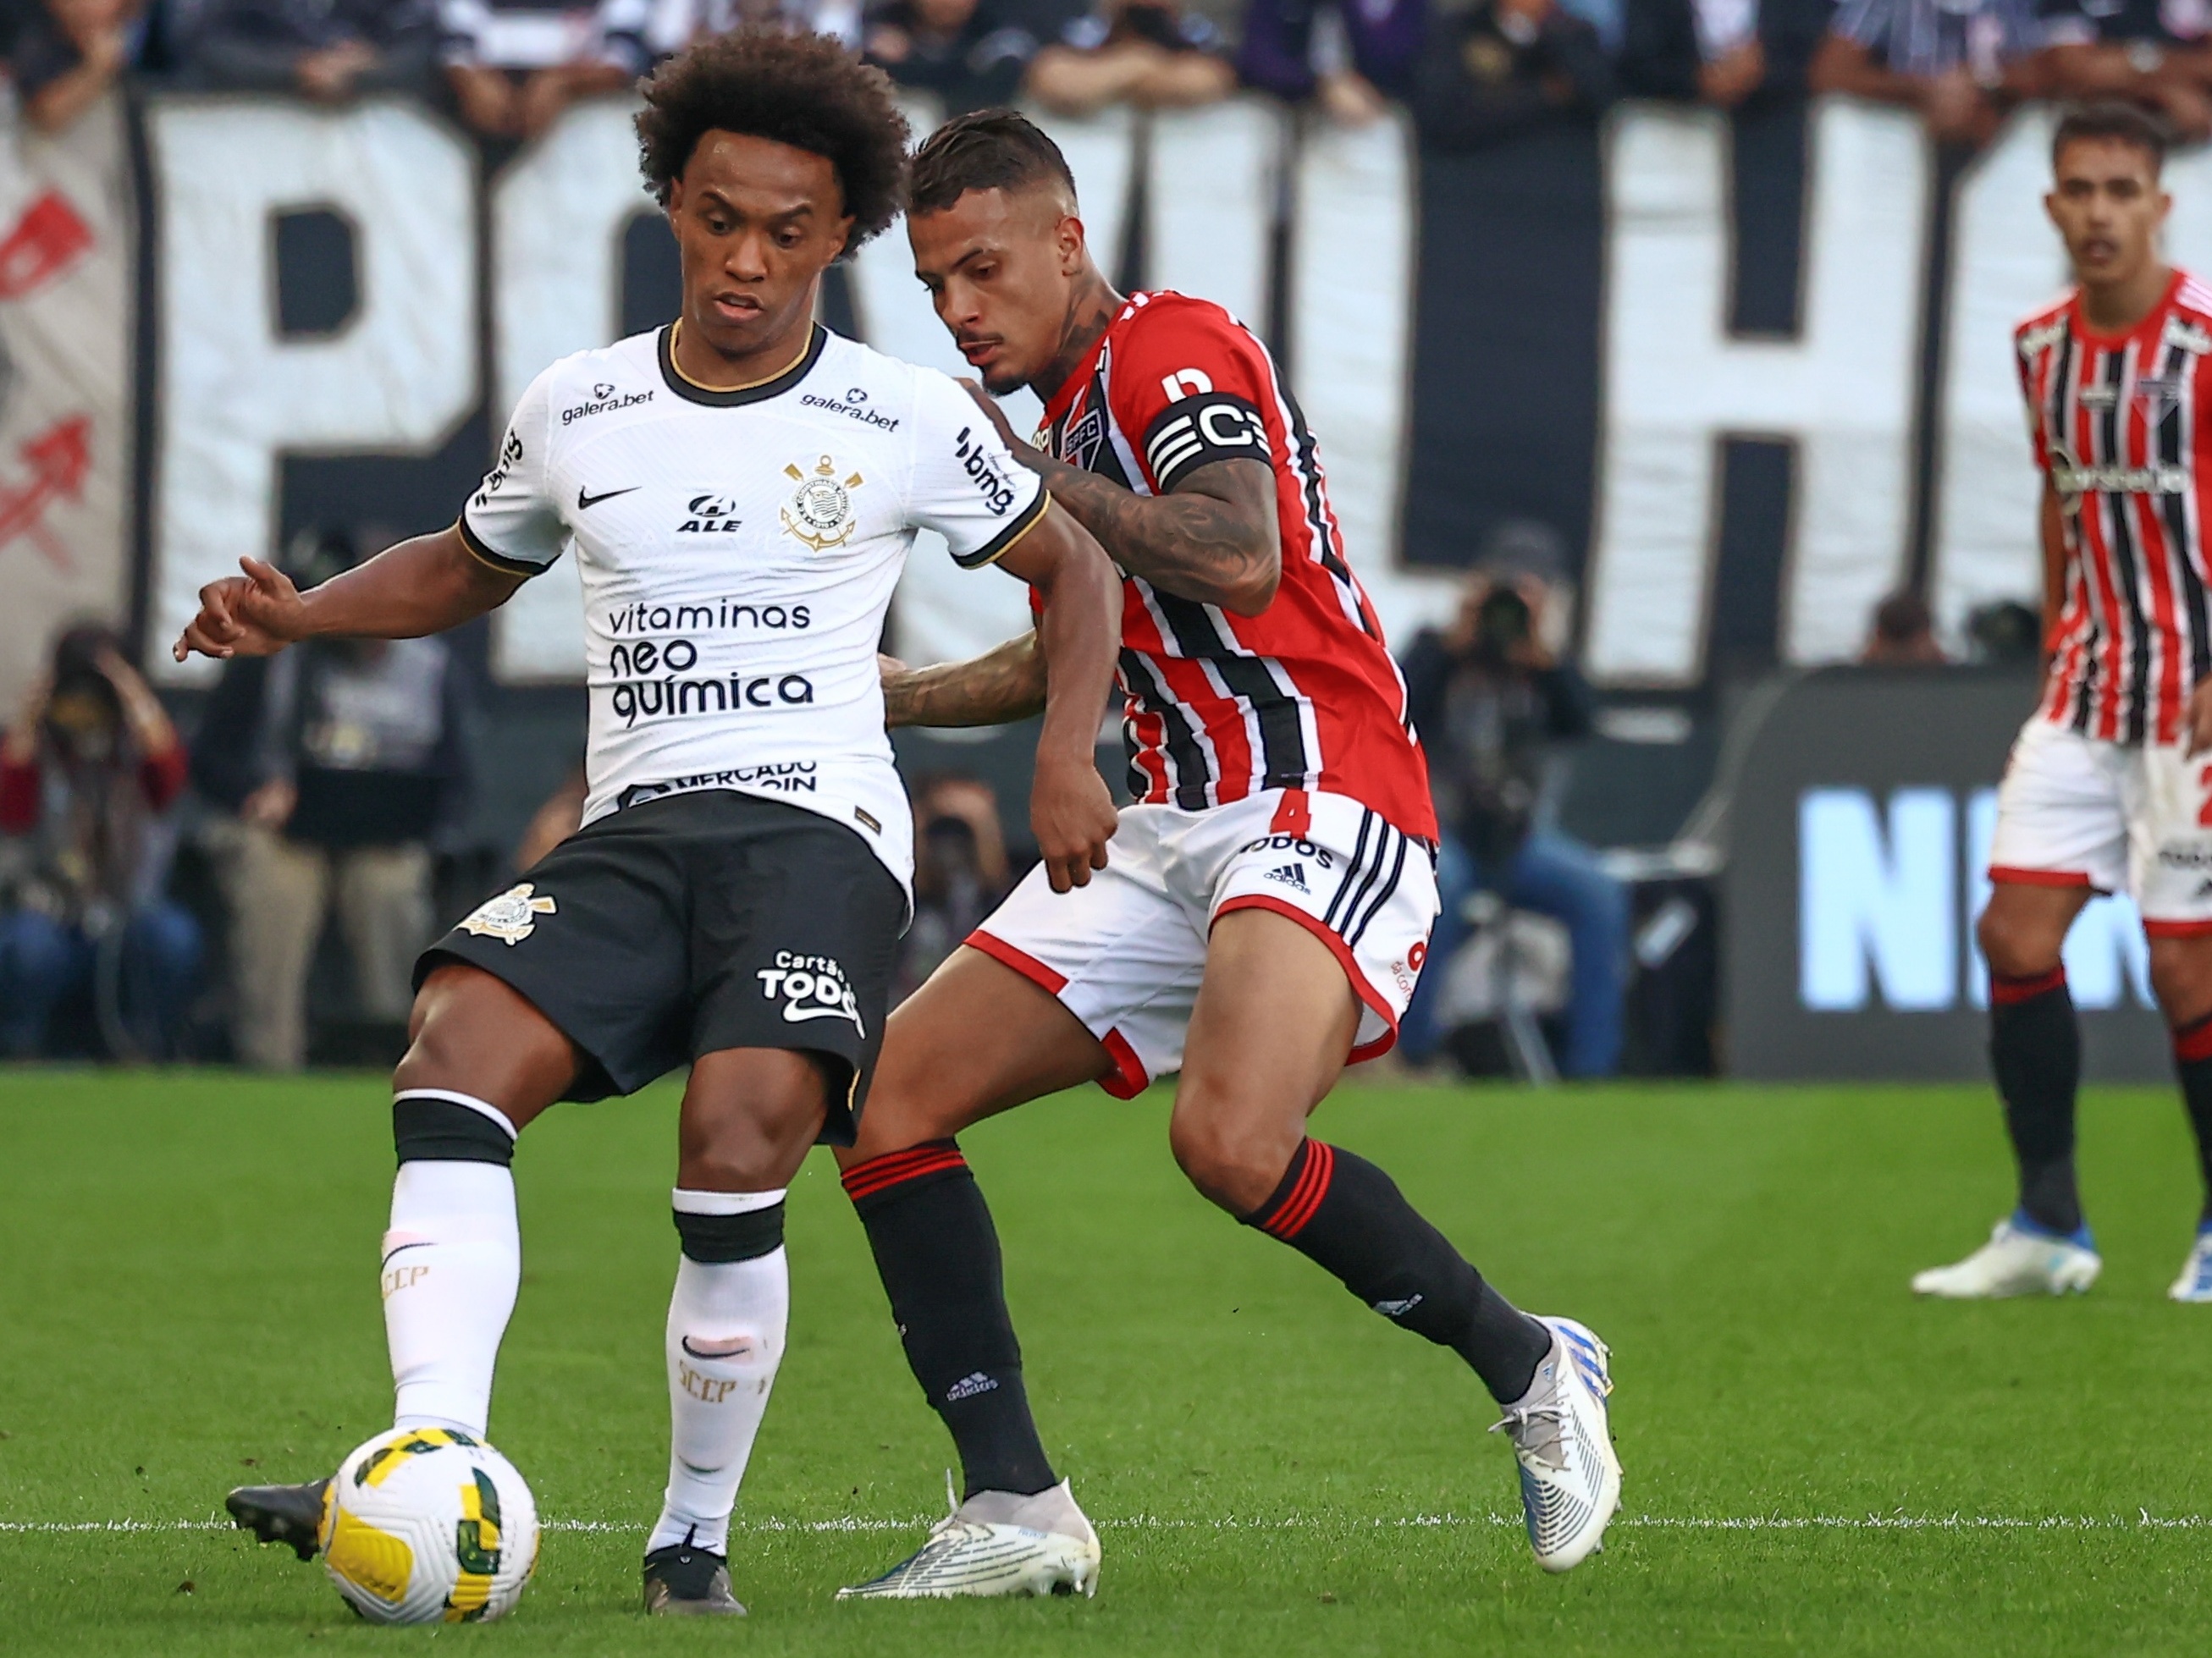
x=983, y=470
x=810, y=987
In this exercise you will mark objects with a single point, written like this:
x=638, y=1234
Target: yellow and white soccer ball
x=425, y=1526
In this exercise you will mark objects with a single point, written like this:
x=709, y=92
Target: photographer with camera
x=90, y=771
x=1490, y=701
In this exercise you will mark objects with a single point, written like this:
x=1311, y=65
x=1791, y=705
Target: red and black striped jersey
x=2120, y=424
x=1218, y=707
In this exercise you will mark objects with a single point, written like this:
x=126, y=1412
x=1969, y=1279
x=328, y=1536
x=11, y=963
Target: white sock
x=451, y=1262
x=725, y=1331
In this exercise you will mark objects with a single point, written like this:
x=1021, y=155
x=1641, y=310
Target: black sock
x=938, y=1254
x=2035, y=1048
x=1347, y=1216
x=2192, y=1061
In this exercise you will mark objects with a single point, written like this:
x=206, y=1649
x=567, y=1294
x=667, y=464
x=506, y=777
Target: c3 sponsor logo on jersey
x=709, y=513
x=853, y=405
x=811, y=988
x=982, y=470
x=513, y=916
x=820, y=511
x=604, y=396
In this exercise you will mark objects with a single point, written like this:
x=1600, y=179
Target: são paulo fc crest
x=512, y=916
x=820, y=511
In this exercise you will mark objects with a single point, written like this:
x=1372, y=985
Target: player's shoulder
x=856, y=383
x=607, y=380
x=2042, y=326
x=2192, y=297
x=1174, y=346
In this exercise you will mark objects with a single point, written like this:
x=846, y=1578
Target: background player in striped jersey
x=1265, y=907
x=2110, y=782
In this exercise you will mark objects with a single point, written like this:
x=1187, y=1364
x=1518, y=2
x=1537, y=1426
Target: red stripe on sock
x=1306, y=1196
x=2005, y=992
x=895, y=1168
x=2193, y=1041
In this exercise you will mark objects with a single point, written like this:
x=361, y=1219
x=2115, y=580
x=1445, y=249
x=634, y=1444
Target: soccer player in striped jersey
x=1266, y=905
x=2110, y=782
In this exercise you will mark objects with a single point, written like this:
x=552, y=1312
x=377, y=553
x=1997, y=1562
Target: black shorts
x=697, y=922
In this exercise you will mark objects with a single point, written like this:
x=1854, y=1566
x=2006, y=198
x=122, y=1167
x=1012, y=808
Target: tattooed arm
x=1212, y=538
x=996, y=689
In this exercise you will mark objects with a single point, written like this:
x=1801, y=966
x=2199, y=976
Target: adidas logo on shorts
x=969, y=1386
x=1290, y=875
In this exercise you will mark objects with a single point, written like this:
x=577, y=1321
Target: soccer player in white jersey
x=740, y=490
x=2109, y=786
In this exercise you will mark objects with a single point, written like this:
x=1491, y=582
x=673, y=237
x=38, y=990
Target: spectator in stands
x=87, y=774
x=325, y=50
x=1727, y=53
x=66, y=54
x=1508, y=67
x=1491, y=701
x=674, y=24
x=960, y=872
x=1961, y=64
x=1904, y=634
x=966, y=51
x=1147, y=52
x=1349, y=58
x=2149, y=53
x=339, y=761
x=513, y=65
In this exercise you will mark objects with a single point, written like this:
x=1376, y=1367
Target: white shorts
x=1126, y=953
x=2074, y=811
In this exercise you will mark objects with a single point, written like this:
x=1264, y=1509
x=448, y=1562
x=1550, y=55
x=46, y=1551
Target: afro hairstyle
x=803, y=90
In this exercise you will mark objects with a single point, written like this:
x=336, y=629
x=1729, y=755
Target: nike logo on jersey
x=585, y=502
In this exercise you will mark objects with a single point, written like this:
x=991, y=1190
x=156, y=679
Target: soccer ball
x=424, y=1525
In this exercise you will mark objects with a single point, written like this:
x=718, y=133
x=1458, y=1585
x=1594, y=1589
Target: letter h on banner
x=1677, y=385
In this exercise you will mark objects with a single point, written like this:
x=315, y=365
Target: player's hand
x=1023, y=452
x=2200, y=719
x=257, y=614
x=1073, y=817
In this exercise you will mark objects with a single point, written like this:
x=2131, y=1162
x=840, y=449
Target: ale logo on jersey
x=513, y=916
x=709, y=513
x=820, y=511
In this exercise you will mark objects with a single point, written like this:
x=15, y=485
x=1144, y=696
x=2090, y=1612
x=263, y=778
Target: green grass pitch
x=188, y=1301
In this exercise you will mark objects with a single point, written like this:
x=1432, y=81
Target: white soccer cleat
x=2195, y=1282
x=996, y=1543
x=1570, y=1474
x=2017, y=1261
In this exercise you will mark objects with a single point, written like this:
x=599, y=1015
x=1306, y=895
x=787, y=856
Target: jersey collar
x=1063, y=399
x=737, y=395
x=2152, y=322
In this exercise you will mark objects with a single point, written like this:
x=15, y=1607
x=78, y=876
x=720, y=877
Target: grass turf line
x=191, y=1278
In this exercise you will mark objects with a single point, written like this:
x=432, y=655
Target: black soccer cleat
x=684, y=1581
x=281, y=1513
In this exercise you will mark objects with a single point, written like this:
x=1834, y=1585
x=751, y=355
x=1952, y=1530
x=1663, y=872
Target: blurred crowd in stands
x=1472, y=72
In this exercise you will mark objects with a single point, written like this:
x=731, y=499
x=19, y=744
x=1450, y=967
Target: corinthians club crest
x=512, y=916
x=820, y=511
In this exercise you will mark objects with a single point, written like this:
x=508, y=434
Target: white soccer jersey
x=738, y=550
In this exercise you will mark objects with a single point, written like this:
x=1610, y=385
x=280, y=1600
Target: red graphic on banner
x=58, y=460
x=45, y=241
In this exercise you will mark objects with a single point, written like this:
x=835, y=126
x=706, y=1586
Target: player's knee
x=2014, y=946
x=2181, y=978
x=1236, y=1170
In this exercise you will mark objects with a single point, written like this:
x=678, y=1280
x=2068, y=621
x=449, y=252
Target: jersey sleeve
x=1188, y=385
x=2031, y=406
x=512, y=523
x=967, y=485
